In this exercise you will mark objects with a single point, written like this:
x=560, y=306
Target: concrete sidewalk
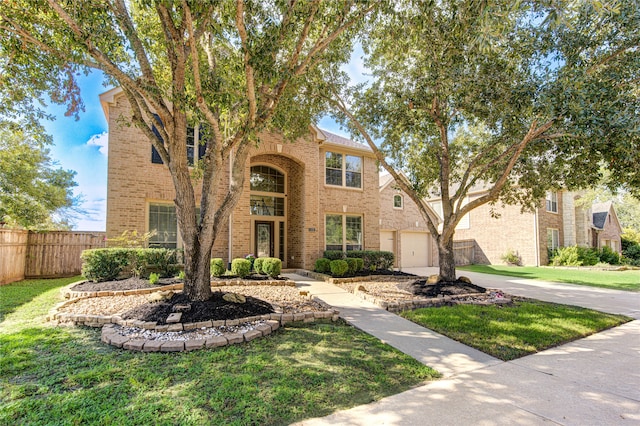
x=593, y=381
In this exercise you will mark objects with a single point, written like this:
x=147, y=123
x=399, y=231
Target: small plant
x=131, y=239
x=511, y=257
x=181, y=275
x=257, y=265
x=323, y=265
x=339, y=268
x=217, y=268
x=272, y=266
x=251, y=258
x=240, y=267
x=154, y=278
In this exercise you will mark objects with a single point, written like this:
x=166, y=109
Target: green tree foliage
x=34, y=194
x=507, y=97
x=239, y=67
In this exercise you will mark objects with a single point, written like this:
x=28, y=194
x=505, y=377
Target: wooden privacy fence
x=28, y=254
x=464, y=251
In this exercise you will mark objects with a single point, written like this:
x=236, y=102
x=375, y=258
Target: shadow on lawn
x=17, y=294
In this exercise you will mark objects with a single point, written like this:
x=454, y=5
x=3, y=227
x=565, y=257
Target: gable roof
x=385, y=179
x=600, y=212
x=333, y=139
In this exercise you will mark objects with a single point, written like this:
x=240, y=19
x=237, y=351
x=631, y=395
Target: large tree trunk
x=197, y=268
x=447, y=260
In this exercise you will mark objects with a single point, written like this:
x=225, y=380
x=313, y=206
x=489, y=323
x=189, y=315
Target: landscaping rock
x=465, y=279
x=159, y=296
x=234, y=298
x=434, y=279
x=174, y=318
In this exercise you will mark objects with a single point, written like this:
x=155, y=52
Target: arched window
x=397, y=201
x=264, y=182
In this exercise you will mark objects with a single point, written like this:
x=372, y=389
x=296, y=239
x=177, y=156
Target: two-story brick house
x=319, y=192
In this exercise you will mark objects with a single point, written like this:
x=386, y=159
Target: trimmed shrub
x=272, y=266
x=339, y=267
x=217, y=267
x=373, y=259
x=105, y=264
x=352, y=263
x=241, y=267
x=607, y=255
x=257, y=265
x=323, y=265
x=359, y=264
x=574, y=256
x=161, y=261
x=334, y=254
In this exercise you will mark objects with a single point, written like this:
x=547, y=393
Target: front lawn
x=618, y=280
x=509, y=332
x=65, y=375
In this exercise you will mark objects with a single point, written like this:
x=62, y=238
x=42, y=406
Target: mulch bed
x=421, y=288
x=216, y=308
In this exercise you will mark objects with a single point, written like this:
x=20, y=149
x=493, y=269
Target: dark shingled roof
x=600, y=211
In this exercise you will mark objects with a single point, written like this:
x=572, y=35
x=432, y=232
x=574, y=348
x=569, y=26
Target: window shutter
x=155, y=155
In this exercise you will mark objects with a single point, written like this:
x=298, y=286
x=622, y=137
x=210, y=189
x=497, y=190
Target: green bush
x=322, y=265
x=373, y=259
x=607, y=255
x=257, y=265
x=511, y=257
x=359, y=264
x=272, y=266
x=105, y=264
x=217, y=267
x=241, y=267
x=334, y=254
x=352, y=263
x=162, y=261
x=574, y=256
x=631, y=253
x=339, y=267
x=154, y=278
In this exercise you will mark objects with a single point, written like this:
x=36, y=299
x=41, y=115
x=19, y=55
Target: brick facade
x=134, y=182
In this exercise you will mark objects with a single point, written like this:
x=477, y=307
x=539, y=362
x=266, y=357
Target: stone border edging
x=329, y=279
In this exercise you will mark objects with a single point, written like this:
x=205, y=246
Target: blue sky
x=82, y=145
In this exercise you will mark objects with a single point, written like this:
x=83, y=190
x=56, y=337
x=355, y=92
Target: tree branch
x=242, y=32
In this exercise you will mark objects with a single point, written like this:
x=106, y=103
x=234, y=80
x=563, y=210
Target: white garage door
x=414, y=249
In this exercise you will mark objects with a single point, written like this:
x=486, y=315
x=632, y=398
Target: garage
x=414, y=249
x=388, y=243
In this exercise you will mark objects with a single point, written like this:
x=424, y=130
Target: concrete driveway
x=592, y=381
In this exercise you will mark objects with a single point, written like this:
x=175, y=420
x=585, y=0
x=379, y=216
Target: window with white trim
x=551, y=202
x=553, y=238
x=196, y=145
x=343, y=232
x=162, y=219
x=397, y=201
x=343, y=170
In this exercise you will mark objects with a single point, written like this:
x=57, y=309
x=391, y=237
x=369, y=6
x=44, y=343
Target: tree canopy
x=238, y=67
x=509, y=97
x=33, y=193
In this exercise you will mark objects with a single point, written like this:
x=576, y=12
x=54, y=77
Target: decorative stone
x=264, y=329
x=175, y=327
x=134, y=344
x=252, y=334
x=182, y=308
x=434, y=279
x=273, y=324
x=152, y=346
x=298, y=316
x=464, y=279
x=193, y=344
x=231, y=323
x=234, y=298
x=216, y=341
x=174, y=318
x=234, y=338
x=118, y=340
x=217, y=323
x=304, y=293
x=160, y=296
x=189, y=326
x=204, y=324
x=172, y=346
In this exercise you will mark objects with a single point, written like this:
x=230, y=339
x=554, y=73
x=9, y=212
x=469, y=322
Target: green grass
x=618, y=280
x=509, y=332
x=65, y=375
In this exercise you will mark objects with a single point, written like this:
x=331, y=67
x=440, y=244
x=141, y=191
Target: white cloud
x=100, y=140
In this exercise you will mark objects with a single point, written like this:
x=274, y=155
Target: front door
x=264, y=239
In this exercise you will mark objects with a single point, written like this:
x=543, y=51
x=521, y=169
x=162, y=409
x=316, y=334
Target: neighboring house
x=300, y=198
x=606, y=227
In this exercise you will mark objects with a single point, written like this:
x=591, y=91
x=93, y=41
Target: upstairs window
x=196, y=145
x=343, y=170
x=264, y=182
x=552, y=202
x=397, y=201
